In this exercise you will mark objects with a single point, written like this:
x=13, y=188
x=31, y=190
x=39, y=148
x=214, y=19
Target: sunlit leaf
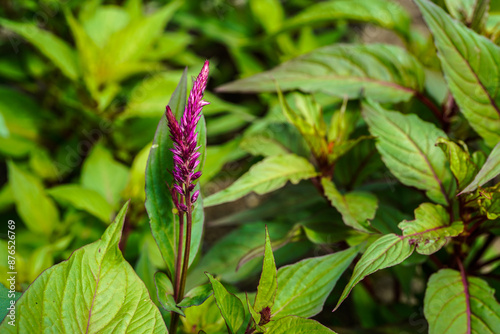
x=490, y=170
x=297, y=325
x=265, y=176
x=94, y=291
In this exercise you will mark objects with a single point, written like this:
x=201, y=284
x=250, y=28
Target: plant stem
x=187, y=246
x=175, y=316
x=178, y=269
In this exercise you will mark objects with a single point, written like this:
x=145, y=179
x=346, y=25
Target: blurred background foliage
x=83, y=85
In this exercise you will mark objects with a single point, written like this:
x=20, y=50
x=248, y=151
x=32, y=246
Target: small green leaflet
x=490, y=170
x=165, y=293
x=266, y=290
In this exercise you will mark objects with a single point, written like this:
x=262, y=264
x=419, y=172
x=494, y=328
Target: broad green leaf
x=266, y=290
x=265, y=176
x=159, y=203
x=490, y=170
x=51, y=46
x=164, y=291
x=471, y=64
x=382, y=72
x=472, y=13
x=230, y=306
x=94, y=291
x=84, y=199
x=304, y=286
x=7, y=297
x=431, y=228
x=297, y=325
x=269, y=13
x=406, y=144
x=196, y=296
x=105, y=175
x=387, y=251
x=29, y=194
x=461, y=163
x=356, y=207
x=455, y=303
x=262, y=145
x=384, y=13
x=105, y=21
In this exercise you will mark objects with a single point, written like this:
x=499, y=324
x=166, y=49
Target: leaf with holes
x=94, y=291
x=455, y=303
x=471, y=64
x=431, y=228
x=406, y=144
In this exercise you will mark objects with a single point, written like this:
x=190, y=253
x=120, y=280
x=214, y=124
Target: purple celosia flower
x=185, y=138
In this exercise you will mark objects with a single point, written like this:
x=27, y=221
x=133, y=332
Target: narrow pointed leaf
x=266, y=290
x=455, y=303
x=265, y=176
x=471, y=64
x=94, y=291
x=387, y=251
x=51, y=46
x=384, y=13
x=159, y=203
x=304, y=286
x=406, y=144
x=297, y=325
x=490, y=170
x=28, y=194
x=230, y=306
x=431, y=228
x=382, y=72
x=357, y=207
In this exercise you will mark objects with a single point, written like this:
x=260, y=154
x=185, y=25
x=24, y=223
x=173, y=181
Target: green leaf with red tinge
x=431, y=228
x=407, y=146
x=382, y=72
x=455, y=303
x=471, y=64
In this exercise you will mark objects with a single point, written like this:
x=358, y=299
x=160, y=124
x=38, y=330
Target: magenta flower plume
x=185, y=137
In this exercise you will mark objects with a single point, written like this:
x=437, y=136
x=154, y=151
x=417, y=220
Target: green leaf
x=471, y=64
x=165, y=291
x=51, y=46
x=196, y=296
x=230, y=306
x=269, y=13
x=387, y=251
x=297, y=325
x=266, y=290
x=137, y=179
x=84, y=199
x=472, y=13
x=7, y=297
x=455, y=303
x=489, y=202
x=304, y=286
x=159, y=203
x=265, y=176
x=406, y=144
x=108, y=177
x=356, y=207
x=204, y=317
x=218, y=156
x=431, y=228
x=384, y=13
x=461, y=163
x=29, y=194
x=490, y=170
x=382, y=72
x=94, y=291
